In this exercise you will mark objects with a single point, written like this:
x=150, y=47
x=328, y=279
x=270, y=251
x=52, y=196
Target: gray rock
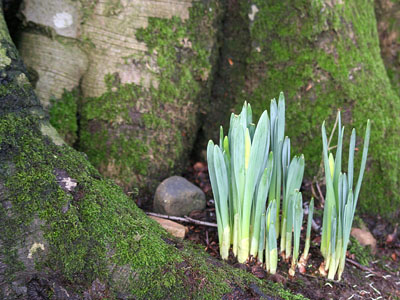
x=176, y=196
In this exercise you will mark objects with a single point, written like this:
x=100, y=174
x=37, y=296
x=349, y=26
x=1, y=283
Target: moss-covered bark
x=388, y=21
x=324, y=57
x=64, y=116
x=67, y=233
x=144, y=77
x=140, y=134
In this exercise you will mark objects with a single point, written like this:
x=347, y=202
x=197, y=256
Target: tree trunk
x=388, y=19
x=67, y=233
x=142, y=69
x=325, y=56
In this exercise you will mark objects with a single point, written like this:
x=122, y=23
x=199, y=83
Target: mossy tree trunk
x=67, y=233
x=141, y=70
x=143, y=73
x=325, y=56
x=388, y=19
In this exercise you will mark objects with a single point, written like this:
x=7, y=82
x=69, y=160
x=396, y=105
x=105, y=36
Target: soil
x=378, y=278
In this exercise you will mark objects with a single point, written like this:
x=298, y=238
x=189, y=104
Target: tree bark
x=324, y=56
x=67, y=233
x=145, y=80
x=388, y=20
x=142, y=69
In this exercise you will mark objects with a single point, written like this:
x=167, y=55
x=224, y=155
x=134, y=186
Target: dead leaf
x=199, y=166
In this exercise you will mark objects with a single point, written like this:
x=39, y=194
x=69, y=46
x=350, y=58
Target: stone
x=172, y=227
x=176, y=196
x=365, y=238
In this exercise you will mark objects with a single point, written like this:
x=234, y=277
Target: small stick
x=184, y=219
x=320, y=194
x=378, y=292
x=363, y=268
x=314, y=194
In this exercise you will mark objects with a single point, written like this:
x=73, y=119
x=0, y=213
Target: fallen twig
x=378, y=292
x=320, y=194
x=182, y=219
x=363, y=268
x=313, y=193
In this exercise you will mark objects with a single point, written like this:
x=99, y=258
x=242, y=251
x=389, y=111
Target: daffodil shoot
x=340, y=201
x=249, y=171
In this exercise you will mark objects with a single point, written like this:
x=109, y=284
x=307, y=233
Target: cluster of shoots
x=340, y=202
x=250, y=170
x=256, y=187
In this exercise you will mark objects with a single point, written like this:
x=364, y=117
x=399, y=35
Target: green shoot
x=244, y=174
x=304, y=256
x=340, y=201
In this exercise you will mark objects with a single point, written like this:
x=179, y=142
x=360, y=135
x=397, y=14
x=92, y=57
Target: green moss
x=4, y=59
x=130, y=125
x=326, y=59
x=86, y=8
x=358, y=222
x=152, y=121
x=4, y=34
x=94, y=232
x=63, y=115
x=112, y=8
x=389, y=35
x=121, y=151
x=362, y=253
x=83, y=225
x=182, y=56
x=15, y=90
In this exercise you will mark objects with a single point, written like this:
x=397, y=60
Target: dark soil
x=379, y=278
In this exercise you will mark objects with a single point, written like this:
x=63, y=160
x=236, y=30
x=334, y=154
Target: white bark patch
x=49, y=131
x=254, y=11
x=34, y=248
x=62, y=20
x=68, y=183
